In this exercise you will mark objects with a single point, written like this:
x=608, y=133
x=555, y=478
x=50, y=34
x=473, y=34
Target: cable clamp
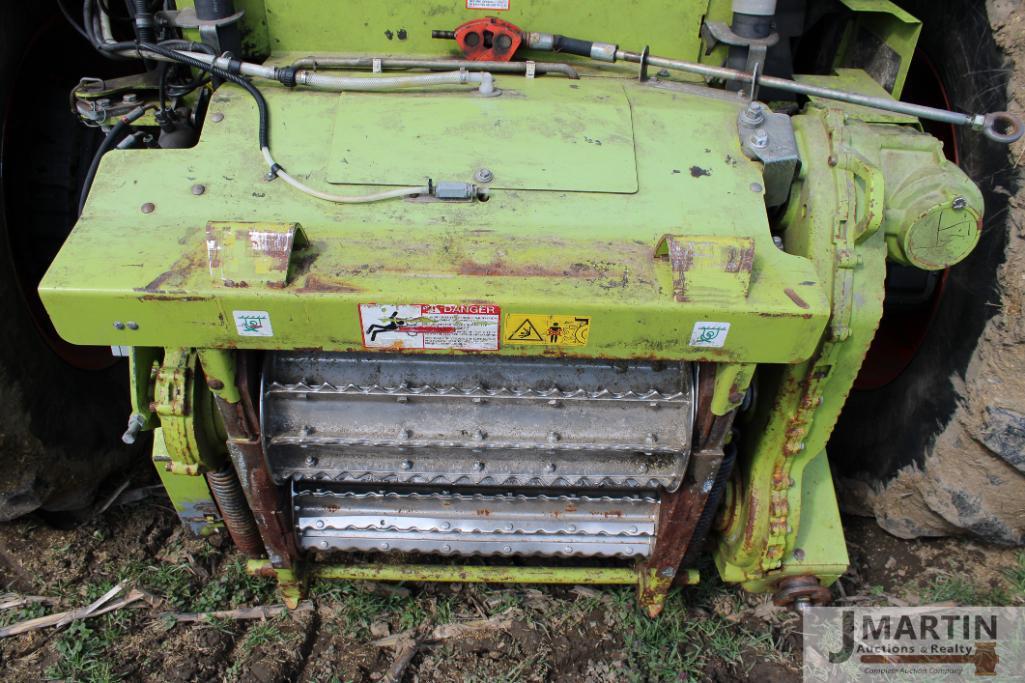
x=286, y=76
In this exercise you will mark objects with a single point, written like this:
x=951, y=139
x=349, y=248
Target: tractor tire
x=940, y=450
x=59, y=422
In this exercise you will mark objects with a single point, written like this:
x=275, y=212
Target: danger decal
x=547, y=330
x=470, y=327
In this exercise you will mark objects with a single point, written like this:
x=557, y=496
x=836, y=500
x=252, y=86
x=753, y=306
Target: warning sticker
x=497, y=5
x=709, y=334
x=253, y=323
x=473, y=327
x=549, y=330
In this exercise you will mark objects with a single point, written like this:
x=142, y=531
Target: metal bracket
x=643, y=75
x=715, y=32
x=709, y=268
x=769, y=138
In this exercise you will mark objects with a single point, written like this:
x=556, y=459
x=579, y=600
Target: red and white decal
x=490, y=5
x=470, y=327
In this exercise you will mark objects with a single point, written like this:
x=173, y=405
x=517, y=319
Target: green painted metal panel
x=670, y=27
x=581, y=141
x=854, y=80
x=539, y=252
x=882, y=40
x=189, y=493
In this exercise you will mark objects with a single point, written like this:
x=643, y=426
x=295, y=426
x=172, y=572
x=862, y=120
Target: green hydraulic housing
x=631, y=204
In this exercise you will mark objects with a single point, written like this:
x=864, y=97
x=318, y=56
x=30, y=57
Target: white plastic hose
x=342, y=83
x=341, y=198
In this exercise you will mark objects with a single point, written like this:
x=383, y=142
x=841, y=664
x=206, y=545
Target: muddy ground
x=710, y=632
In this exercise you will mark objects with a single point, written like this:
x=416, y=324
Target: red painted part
x=489, y=39
x=902, y=331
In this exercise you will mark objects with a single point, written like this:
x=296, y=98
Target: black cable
x=108, y=142
x=261, y=103
x=162, y=89
x=74, y=24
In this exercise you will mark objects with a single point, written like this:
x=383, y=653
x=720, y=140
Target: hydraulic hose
x=145, y=27
x=209, y=64
x=108, y=142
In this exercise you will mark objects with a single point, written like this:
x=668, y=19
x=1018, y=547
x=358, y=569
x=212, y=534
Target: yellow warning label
x=549, y=330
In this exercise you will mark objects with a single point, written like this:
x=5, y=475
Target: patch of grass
x=172, y=582
x=81, y=654
x=963, y=592
x=29, y=611
x=1015, y=576
x=261, y=634
x=234, y=586
x=678, y=645
x=358, y=608
x=949, y=588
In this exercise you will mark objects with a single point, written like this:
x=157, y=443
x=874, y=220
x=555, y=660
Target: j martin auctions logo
x=843, y=644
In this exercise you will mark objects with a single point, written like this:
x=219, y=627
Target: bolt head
x=479, y=466
x=319, y=524
x=132, y=325
x=118, y=325
x=407, y=464
x=148, y=207
x=759, y=139
x=484, y=175
x=754, y=114
x=198, y=189
x=130, y=98
x=959, y=203
x=323, y=544
x=217, y=117
x=668, y=572
x=507, y=549
x=311, y=461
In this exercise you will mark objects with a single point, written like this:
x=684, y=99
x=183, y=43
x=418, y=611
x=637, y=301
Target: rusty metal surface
x=238, y=519
x=709, y=267
x=267, y=501
x=793, y=589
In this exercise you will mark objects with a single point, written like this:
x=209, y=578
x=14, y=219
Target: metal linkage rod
x=998, y=126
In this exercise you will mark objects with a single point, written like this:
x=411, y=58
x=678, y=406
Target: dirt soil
x=709, y=632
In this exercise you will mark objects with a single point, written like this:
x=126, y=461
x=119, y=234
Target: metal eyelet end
x=1002, y=126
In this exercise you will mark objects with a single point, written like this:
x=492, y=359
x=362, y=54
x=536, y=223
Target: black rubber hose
x=704, y=523
x=108, y=143
x=145, y=27
x=573, y=46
